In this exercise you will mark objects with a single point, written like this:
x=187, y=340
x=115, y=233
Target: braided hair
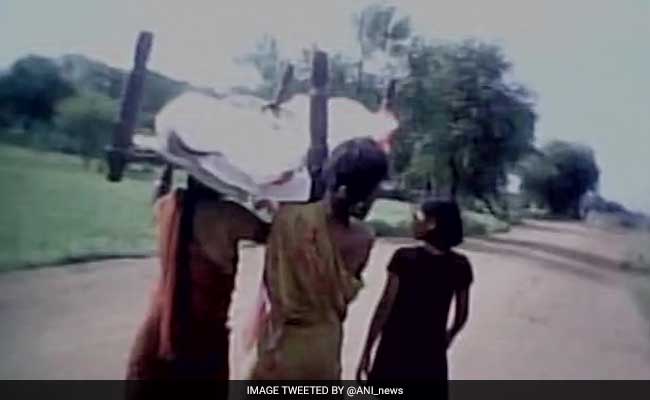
x=191, y=196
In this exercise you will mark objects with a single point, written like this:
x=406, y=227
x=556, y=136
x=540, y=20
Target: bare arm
x=461, y=313
x=275, y=286
x=378, y=321
x=249, y=226
x=365, y=256
x=262, y=233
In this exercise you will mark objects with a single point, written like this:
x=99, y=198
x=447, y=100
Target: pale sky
x=587, y=60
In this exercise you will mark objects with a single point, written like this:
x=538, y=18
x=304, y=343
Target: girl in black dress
x=411, y=316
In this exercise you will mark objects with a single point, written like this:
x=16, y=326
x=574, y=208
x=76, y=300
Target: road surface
x=550, y=301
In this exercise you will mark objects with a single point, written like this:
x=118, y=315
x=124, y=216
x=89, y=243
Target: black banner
x=235, y=390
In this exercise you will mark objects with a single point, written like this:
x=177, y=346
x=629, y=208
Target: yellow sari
x=307, y=290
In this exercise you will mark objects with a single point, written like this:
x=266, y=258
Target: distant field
x=53, y=211
x=638, y=253
x=393, y=218
x=637, y=259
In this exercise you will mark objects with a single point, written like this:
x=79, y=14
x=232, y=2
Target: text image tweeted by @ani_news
x=321, y=390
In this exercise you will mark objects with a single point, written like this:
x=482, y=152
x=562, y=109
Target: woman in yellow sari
x=315, y=255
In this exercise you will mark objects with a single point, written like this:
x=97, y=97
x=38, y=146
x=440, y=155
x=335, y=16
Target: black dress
x=413, y=341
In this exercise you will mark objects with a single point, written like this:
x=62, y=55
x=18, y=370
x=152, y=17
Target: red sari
x=192, y=342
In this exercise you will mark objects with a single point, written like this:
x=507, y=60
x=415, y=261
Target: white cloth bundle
x=235, y=147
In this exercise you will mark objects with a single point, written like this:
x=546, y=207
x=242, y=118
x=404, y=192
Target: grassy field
x=54, y=211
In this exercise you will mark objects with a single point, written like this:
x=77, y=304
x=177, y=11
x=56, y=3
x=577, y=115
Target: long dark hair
x=191, y=196
x=448, y=232
x=359, y=164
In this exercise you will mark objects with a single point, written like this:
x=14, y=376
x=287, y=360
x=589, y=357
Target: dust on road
x=549, y=302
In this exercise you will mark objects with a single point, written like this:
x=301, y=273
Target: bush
x=384, y=229
x=627, y=220
x=472, y=227
x=88, y=119
x=390, y=218
x=476, y=224
x=560, y=178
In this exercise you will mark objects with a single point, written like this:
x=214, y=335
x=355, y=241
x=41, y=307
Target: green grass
x=393, y=218
x=53, y=211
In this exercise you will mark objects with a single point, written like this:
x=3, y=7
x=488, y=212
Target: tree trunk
x=282, y=93
x=359, y=78
x=455, y=177
x=388, y=102
x=488, y=205
x=360, y=38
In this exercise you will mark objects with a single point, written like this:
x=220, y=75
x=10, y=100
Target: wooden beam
x=318, y=124
x=283, y=90
x=131, y=98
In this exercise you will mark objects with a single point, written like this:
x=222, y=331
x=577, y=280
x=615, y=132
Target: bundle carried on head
x=244, y=151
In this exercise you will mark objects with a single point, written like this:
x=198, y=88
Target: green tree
x=561, y=176
x=383, y=35
x=89, y=75
x=468, y=124
x=88, y=119
x=31, y=89
x=463, y=124
x=265, y=57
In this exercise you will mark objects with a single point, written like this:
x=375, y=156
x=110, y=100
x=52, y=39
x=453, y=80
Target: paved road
x=549, y=302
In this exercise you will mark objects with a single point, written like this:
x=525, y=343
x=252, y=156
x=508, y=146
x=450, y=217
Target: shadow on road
x=557, y=228
x=490, y=246
x=568, y=253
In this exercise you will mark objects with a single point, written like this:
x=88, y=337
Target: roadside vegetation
x=55, y=211
x=466, y=128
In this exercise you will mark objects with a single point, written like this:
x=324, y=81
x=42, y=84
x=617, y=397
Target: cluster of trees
x=464, y=124
x=559, y=176
x=70, y=104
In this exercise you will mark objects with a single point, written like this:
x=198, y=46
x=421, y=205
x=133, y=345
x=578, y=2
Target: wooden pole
x=117, y=154
x=164, y=183
x=283, y=90
x=318, y=124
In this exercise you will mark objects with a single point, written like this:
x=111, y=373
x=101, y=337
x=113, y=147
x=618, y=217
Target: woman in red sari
x=185, y=333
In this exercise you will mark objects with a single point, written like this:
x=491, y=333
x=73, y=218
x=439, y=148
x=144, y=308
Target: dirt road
x=549, y=302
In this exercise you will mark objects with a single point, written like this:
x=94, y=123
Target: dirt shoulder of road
x=549, y=301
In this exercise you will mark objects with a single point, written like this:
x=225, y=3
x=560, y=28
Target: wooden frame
x=122, y=151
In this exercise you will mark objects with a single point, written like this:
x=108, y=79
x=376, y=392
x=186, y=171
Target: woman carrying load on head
x=185, y=333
